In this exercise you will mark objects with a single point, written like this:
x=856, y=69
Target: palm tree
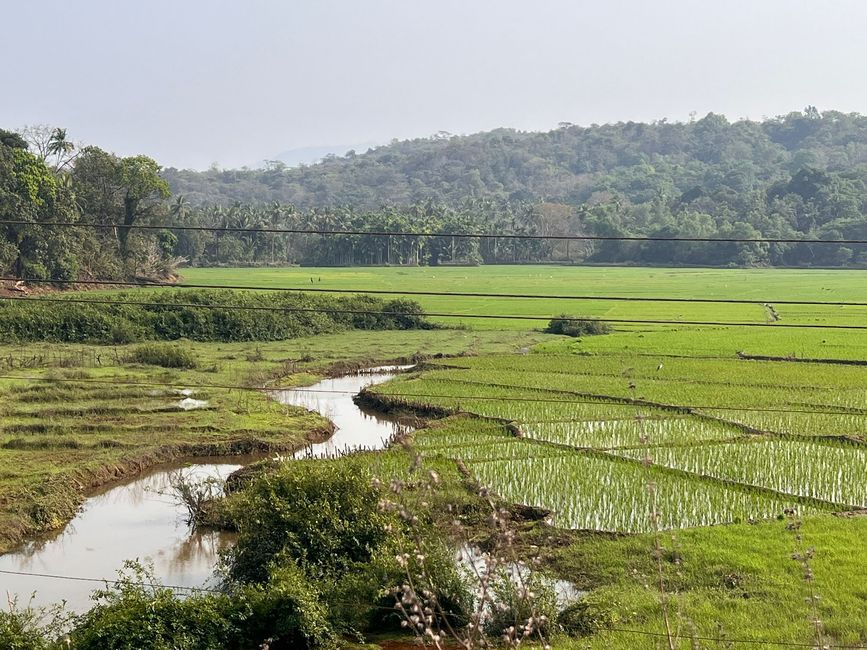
x=61, y=148
x=180, y=209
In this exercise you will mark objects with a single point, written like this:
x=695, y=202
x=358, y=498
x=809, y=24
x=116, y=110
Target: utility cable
x=446, y=294
x=598, y=400
x=369, y=312
x=420, y=233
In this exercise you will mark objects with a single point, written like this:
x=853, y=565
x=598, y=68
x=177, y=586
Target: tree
x=50, y=144
x=119, y=192
x=29, y=194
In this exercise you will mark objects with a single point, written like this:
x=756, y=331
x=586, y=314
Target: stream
x=139, y=519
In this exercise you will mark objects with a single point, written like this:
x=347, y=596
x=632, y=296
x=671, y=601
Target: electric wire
x=421, y=233
x=589, y=400
x=446, y=294
x=369, y=312
x=619, y=630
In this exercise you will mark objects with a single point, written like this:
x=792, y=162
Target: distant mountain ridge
x=635, y=162
x=800, y=176
x=314, y=154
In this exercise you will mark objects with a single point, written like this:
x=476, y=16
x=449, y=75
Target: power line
x=787, y=644
x=419, y=233
x=599, y=400
x=447, y=294
x=369, y=312
x=619, y=630
x=54, y=576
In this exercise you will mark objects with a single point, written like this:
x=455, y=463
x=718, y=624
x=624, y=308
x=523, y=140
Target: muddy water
x=139, y=519
x=356, y=427
x=133, y=519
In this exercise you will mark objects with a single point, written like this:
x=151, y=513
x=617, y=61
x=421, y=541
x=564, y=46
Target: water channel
x=139, y=518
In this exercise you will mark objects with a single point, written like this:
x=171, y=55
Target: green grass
x=727, y=438
x=58, y=439
x=750, y=284
x=833, y=473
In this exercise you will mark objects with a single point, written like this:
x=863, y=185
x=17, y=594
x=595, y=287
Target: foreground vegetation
x=81, y=428
x=670, y=472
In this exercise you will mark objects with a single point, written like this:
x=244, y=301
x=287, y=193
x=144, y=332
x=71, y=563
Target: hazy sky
x=191, y=82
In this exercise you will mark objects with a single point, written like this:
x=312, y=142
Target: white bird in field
x=659, y=367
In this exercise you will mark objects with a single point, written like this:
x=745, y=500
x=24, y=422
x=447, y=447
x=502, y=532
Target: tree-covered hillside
x=571, y=164
x=797, y=176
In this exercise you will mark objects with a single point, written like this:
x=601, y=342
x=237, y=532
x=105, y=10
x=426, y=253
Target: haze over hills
x=572, y=164
x=802, y=175
x=310, y=155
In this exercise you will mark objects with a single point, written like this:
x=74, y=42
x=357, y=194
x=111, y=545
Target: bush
x=32, y=628
x=170, y=316
x=124, y=332
x=444, y=583
x=576, y=326
x=406, y=314
x=35, y=270
x=20, y=630
x=515, y=601
x=588, y=616
x=162, y=354
x=286, y=613
x=135, y=616
x=324, y=517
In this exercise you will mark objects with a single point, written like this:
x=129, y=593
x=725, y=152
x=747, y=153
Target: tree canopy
x=44, y=179
x=799, y=176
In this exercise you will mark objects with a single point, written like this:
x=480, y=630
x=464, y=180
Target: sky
x=199, y=82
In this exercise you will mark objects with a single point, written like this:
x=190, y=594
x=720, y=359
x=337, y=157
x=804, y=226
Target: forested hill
x=713, y=165
x=801, y=176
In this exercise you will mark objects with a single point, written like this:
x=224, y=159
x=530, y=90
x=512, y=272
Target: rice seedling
x=833, y=473
x=597, y=493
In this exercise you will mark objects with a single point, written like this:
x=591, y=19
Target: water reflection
x=474, y=563
x=137, y=519
x=356, y=427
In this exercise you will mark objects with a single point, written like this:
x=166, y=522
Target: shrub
x=134, y=616
x=124, y=332
x=285, y=613
x=171, y=316
x=20, y=630
x=576, y=326
x=406, y=314
x=324, y=517
x=588, y=616
x=162, y=354
x=32, y=628
x=515, y=601
x=35, y=270
x=433, y=564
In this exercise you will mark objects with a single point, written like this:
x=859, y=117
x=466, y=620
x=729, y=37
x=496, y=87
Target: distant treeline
x=205, y=315
x=800, y=176
x=225, y=246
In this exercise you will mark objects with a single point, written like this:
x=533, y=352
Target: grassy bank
x=81, y=428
